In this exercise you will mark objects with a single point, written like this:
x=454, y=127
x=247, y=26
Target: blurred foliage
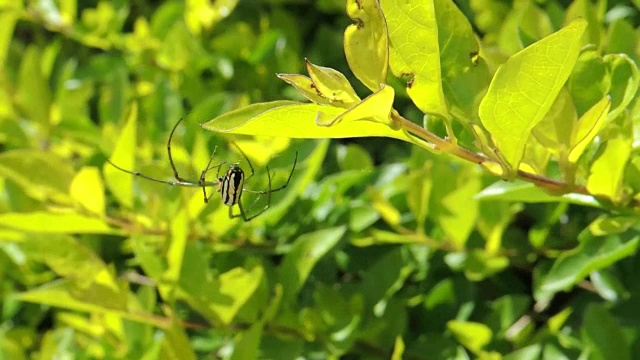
x=382, y=245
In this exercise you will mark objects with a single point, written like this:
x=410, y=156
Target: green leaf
x=474, y=336
x=589, y=82
x=247, y=343
x=519, y=190
x=610, y=224
x=384, y=278
x=531, y=352
x=8, y=19
x=40, y=174
x=366, y=43
x=332, y=84
x=175, y=344
x=594, y=253
x=34, y=95
x=415, y=51
x=453, y=204
x=607, y=285
x=121, y=183
x=465, y=76
x=604, y=335
x=66, y=257
x=419, y=189
x=175, y=253
x=354, y=157
x=584, y=9
x=45, y=222
x=554, y=130
x=238, y=285
x=306, y=251
x=625, y=80
x=296, y=120
x=524, y=88
x=96, y=298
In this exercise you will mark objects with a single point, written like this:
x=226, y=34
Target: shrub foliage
x=480, y=201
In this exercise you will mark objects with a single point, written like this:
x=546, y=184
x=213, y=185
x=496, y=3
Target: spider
x=230, y=185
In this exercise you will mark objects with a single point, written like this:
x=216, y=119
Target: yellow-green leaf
x=34, y=94
x=588, y=127
x=236, y=287
x=46, y=222
x=413, y=34
x=524, y=88
x=40, y=174
x=332, y=84
x=366, y=43
x=121, y=183
x=606, y=173
x=8, y=21
x=375, y=107
x=398, y=349
x=296, y=120
x=87, y=188
x=305, y=86
x=474, y=336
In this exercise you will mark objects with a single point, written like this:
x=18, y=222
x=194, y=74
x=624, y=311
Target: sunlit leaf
x=307, y=88
x=46, y=222
x=607, y=170
x=587, y=128
x=87, y=188
x=120, y=183
x=474, y=336
x=366, y=43
x=236, y=288
x=332, y=84
x=296, y=120
x=554, y=130
x=398, y=349
x=524, y=88
x=415, y=51
x=66, y=257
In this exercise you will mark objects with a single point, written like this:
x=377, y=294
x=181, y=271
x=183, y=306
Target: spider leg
x=295, y=161
x=242, y=212
x=203, y=180
x=173, y=166
x=246, y=158
x=177, y=182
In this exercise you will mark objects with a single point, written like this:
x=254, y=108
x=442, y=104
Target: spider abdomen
x=232, y=184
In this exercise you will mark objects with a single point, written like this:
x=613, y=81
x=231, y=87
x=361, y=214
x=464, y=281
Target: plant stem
x=554, y=186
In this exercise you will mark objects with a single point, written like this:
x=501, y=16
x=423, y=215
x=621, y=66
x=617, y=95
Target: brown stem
x=554, y=186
